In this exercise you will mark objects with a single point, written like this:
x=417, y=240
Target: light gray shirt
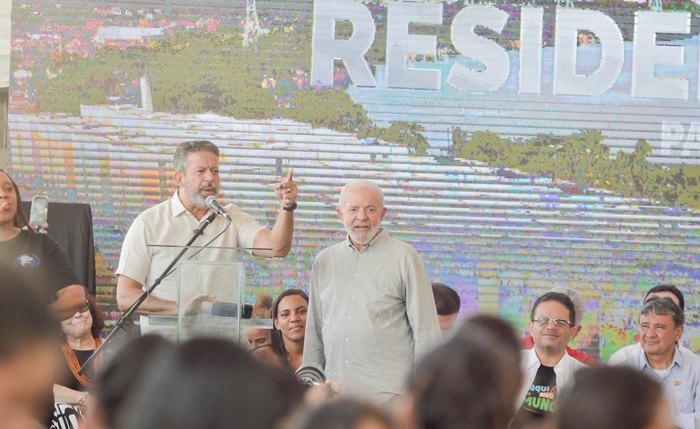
x=627, y=352
x=681, y=384
x=371, y=316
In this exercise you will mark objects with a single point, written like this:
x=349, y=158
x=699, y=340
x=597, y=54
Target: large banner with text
x=521, y=145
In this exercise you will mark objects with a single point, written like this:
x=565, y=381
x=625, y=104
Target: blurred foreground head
x=470, y=381
x=29, y=354
x=122, y=376
x=345, y=414
x=211, y=383
x=613, y=397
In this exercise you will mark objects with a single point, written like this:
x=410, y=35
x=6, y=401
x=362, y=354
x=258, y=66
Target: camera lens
x=310, y=375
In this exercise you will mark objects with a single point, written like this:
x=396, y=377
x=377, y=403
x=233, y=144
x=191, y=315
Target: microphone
x=217, y=207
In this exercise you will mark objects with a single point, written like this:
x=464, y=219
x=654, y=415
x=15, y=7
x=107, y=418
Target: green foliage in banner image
x=90, y=81
x=196, y=73
x=338, y=111
x=584, y=159
x=404, y=133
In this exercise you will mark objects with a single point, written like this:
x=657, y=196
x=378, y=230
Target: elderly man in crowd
x=371, y=310
x=659, y=291
x=676, y=369
x=172, y=222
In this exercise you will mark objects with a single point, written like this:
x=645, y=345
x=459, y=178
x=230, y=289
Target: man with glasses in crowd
x=547, y=367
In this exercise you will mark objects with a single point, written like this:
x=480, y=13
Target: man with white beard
x=153, y=238
x=371, y=309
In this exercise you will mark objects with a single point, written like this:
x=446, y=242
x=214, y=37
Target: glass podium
x=209, y=287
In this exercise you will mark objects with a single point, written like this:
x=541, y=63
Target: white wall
x=5, y=11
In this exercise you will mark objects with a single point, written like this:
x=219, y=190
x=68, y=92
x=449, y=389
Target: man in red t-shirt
x=580, y=307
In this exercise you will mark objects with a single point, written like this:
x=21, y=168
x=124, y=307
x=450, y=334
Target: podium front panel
x=209, y=286
x=211, y=299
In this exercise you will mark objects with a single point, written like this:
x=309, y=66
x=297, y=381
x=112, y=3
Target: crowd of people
x=374, y=345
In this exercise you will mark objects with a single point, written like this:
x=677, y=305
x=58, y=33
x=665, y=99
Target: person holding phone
x=38, y=213
x=36, y=257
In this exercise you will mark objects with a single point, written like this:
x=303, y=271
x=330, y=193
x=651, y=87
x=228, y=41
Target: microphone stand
x=166, y=272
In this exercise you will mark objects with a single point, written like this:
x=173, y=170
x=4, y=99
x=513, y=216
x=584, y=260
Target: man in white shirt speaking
x=172, y=222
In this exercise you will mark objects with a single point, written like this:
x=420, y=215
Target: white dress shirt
x=564, y=369
x=171, y=224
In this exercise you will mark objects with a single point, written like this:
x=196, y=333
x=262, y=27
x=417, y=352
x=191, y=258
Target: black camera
x=310, y=375
x=230, y=309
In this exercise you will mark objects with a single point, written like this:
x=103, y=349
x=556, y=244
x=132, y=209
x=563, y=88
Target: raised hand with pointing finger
x=286, y=191
x=197, y=178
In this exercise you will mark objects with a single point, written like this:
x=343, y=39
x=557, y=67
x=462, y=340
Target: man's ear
x=340, y=213
x=178, y=178
x=679, y=333
x=575, y=330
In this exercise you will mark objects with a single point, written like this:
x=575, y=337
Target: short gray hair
x=359, y=183
x=663, y=307
x=576, y=298
x=186, y=148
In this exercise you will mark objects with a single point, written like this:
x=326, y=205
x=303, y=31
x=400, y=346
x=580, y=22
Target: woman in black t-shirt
x=35, y=257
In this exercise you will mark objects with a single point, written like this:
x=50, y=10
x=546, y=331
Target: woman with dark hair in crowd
x=14, y=209
x=81, y=335
x=613, y=398
x=35, y=257
x=345, y=414
x=289, y=321
x=215, y=384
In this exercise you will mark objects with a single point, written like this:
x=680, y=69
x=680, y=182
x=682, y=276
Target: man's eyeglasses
x=559, y=323
x=85, y=307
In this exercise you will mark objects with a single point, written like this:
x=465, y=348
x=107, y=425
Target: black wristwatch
x=290, y=208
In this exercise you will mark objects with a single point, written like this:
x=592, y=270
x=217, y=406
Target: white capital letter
x=647, y=54
x=612, y=52
x=485, y=51
x=530, y=75
x=326, y=48
x=400, y=44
